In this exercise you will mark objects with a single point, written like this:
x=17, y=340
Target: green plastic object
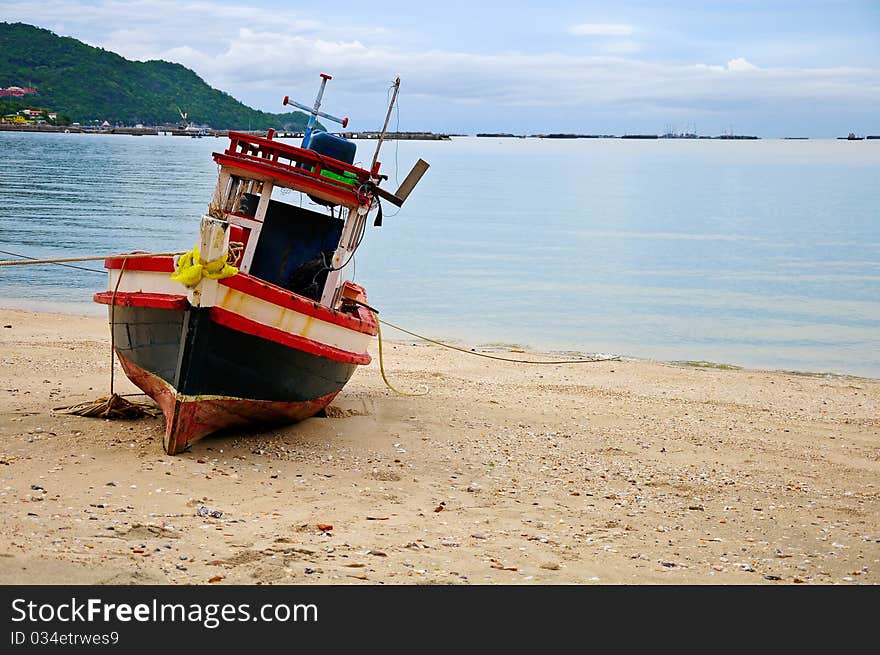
x=345, y=177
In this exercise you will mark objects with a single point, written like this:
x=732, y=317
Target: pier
x=396, y=136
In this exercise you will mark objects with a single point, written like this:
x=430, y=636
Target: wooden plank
x=421, y=166
x=397, y=198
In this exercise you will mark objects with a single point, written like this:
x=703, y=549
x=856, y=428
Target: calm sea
x=755, y=253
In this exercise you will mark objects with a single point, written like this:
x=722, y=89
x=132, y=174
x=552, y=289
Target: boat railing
x=295, y=167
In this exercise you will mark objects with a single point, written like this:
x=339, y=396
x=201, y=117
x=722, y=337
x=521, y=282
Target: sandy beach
x=622, y=472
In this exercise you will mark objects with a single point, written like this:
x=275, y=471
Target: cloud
x=601, y=29
x=278, y=54
x=740, y=64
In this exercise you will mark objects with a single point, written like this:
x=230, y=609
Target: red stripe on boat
x=248, y=144
x=362, y=322
x=155, y=264
x=236, y=322
x=140, y=299
x=304, y=180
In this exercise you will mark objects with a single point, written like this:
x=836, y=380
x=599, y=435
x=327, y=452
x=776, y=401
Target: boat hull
x=258, y=354
x=189, y=418
x=206, y=376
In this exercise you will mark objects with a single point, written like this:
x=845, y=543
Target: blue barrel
x=333, y=146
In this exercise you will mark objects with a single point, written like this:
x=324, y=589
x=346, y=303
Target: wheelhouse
x=278, y=240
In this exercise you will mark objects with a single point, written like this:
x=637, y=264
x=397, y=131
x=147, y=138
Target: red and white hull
x=231, y=352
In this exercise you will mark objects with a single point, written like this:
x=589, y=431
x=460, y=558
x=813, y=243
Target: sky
x=769, y=68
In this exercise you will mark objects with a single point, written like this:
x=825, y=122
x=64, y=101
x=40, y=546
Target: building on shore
x=16, y=91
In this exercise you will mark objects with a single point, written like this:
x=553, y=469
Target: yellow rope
x=502, y=359
x=382, y=366
x=379, y=322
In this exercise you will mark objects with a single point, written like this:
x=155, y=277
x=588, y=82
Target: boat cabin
x=303, y=250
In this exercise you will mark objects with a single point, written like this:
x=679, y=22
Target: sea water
x=754, y=253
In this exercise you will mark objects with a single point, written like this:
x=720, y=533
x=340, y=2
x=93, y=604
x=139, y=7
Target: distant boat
x=851, y=137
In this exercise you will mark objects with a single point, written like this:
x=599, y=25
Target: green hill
x=86, y=83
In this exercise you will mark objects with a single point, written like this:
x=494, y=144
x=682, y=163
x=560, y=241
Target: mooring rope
x=503, y=359
x=380, y=322
x=35, y=260
x=382, y=368
x=114, y=406
x=125, y=257
x=113, y=324
x=62, y=260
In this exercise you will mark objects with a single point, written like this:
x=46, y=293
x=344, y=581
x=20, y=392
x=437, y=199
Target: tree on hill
x=86, y=83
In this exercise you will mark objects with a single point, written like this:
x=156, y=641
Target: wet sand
x=626, y=472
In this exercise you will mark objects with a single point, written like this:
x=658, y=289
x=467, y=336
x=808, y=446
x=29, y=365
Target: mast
x=387, y=118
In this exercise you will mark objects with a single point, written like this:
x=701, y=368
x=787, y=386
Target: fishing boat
x=258, y=323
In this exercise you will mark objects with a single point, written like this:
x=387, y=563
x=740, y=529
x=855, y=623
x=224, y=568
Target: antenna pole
x=387, y=118
x=313, y=118
x=314, y=111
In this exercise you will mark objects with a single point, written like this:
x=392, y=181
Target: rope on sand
x=592, y=360
x=116, y=406
x=382, y=367
x=113, y=406
x=388, y=384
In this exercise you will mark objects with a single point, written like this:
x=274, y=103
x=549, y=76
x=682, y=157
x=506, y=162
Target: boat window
x=242, y=196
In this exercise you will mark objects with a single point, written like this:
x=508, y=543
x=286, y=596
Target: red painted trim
x=240, y=323
x=261, y=156
x=301, y=179
x=273, y=149
x=154, y=264
x=362, y=322
x=141, y=299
